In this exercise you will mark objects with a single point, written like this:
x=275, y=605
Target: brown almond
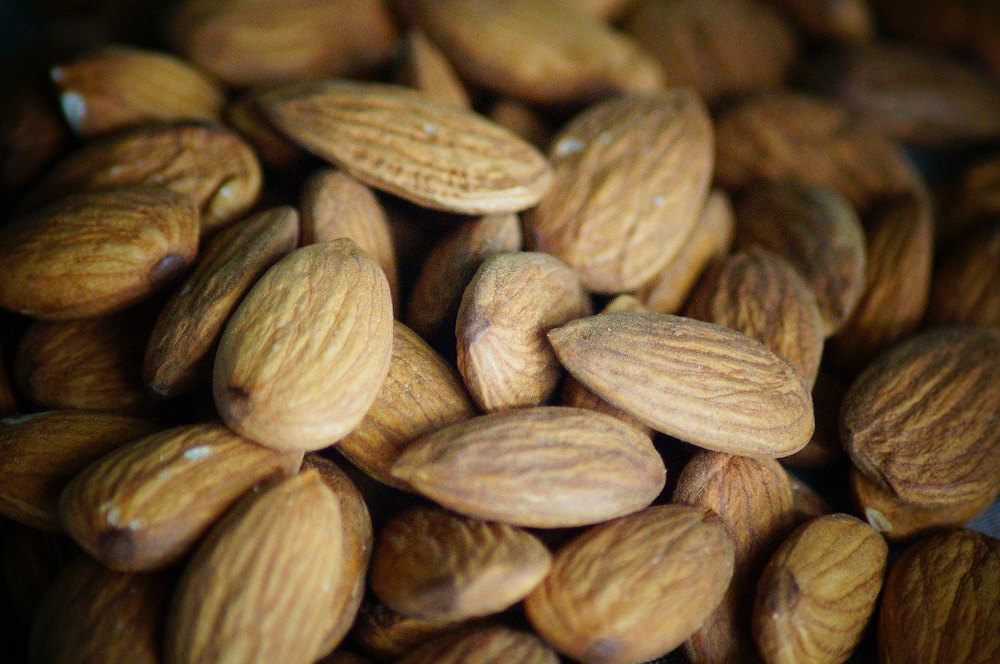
x=833, y=20
x=302, y=359
x=421, y=394
x=30, y=561
x=244, y=115
x=245, y=572
x=144, y=505
x=387, y=635
x=807, y=504
x=32, y=134
x=631, y=176
x=710, y=386
x=93, y=253
x=939, y=602
x=511, y=303
x=963, y=288
x=424, y=67
x=974, y=198
x=211, y=165
x=42, y=452
x=818, y=591
x=486, y=645
x=635, y=588
x=396, y=140
x=180, y=351
x=919, y=422
x=119, y=86
x=546, y=467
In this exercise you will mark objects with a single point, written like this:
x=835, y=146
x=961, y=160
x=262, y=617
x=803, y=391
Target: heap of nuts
x=439, y=331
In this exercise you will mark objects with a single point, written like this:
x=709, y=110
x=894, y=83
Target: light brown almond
x=425, y=68
x=485, y=645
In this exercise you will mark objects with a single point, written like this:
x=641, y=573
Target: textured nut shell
x=144, y=505
x=420, y=395
x=939, y=603
x=817, y=231
x=302, y=359
x=485, y=645
x=547, y=467
x=387, y=635
x=964, y=284
x=228, y=590
x=92, y=253
x=41, y=453
x=118, y=86
x=211, y=165
x=397, y=140
x=179, y=354
x=631, y=176
x=707, y=385
x=634, y=588
x=424, y=67
x=511, y=303
x=818, y=591
x=434, y=565
x=920, y=421
x=539, y=51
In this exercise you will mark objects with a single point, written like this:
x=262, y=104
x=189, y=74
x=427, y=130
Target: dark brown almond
x=522, y=119
x=8, y=400
x=244, y=115
x=32, y=134
x=485, y=645
x=30, y=561
x=964, y=285
x=824, y=448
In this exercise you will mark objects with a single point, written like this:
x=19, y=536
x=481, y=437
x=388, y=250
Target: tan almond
x=387, y=635
x=631, y=177
x=425, y=68
x=919, y=421
x=511, y=303
x=30, y=561
x=964, y=283
x=421, y=394
x=545, y=467
x=635, y=588
x=396, y=140
x=211, y=165
x=707, y=385
x=42, y=452
x=228, y=594
x=486, y=645
x=818, y=592
x=302, y=359
x=144, y=505
x=119, y=86
x=93, y=253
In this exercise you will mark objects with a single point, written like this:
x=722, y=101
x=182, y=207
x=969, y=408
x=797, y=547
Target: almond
x=807, y=504
x=32, y=134
x=94, y=253
x=144, y=505
x=8, y=400
x=963, y=286
x=398, y=141
x=707, y=385
x=302, y=359
x=487, y=645
x=634, y=588
x=833, y=20
x=245, y=116
x=426, y=69
x=974, y=198
x=545, y=467
x=631, y=176
x=511, y=303
x=387, y=635
x=521, y=119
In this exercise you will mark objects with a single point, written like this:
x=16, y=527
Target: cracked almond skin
x=144, y=505
x=179, y=353
x=511, y=303
x=939, y=603
x=276, y=553
x=431, y=564
x=546, y=467
x=303, y=357
x=484, y=645
x=633, y=589
x=631, y=177
x=208, y=163
x=421, y=394
x=396, y=140
x=707, y=385
x=40, y=453
x=920, y=421
x=94, y=253
x=819, y=591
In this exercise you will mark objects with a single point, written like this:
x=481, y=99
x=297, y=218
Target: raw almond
x=144, y=505
x=302, y=359
x=397, y=140
x=707, y=385
x=424, y=67
x=486, y=645
x=511, y=303
x=633, y=589
x=545, y=467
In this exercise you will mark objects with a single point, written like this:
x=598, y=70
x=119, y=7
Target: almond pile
x=524, y=331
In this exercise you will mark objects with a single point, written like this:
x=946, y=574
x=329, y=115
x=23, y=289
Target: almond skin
x=302, y=359
x=398, y=141
x=144, y=505
x=485, y=645
x=633, y=589
x=434, y=565
x=707, y=385
x=93, y=253
x=546, y=467
x=631, y=176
